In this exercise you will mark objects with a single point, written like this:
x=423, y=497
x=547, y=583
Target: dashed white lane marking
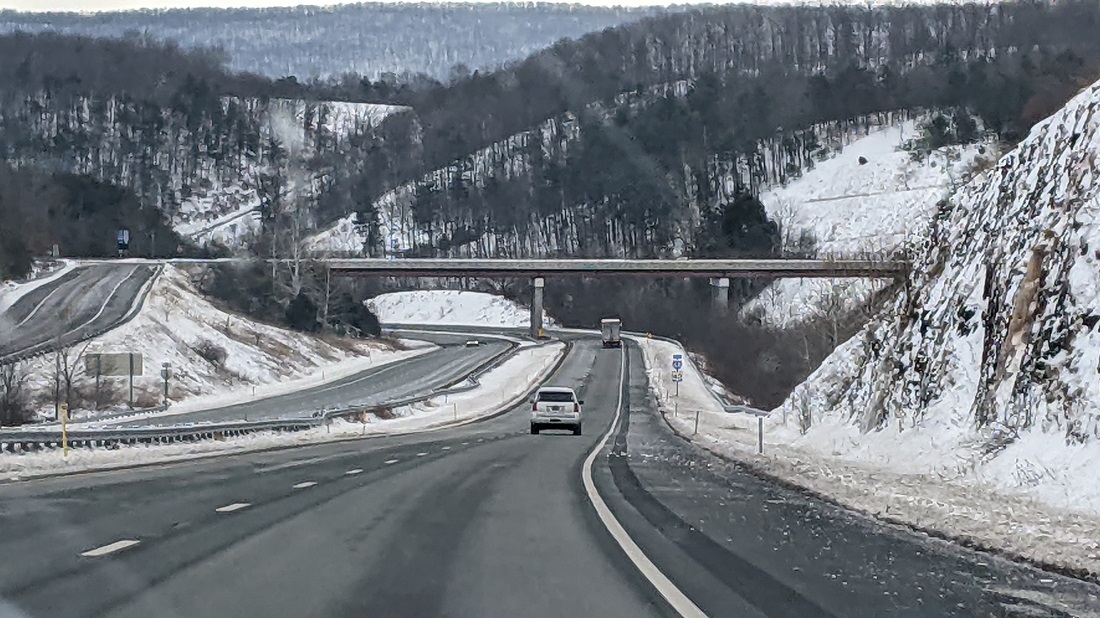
x=236, y=506
x=391, y=461
x=446, y=448
x=421, y=454
x=110, y=549
x=675, y=597
x=353, y=472
x=305, y=484
x=465, y=444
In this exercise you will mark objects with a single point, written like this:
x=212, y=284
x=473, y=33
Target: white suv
x=556, y=407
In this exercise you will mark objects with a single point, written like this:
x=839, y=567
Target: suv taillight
x=535, y=406
x=576, y=407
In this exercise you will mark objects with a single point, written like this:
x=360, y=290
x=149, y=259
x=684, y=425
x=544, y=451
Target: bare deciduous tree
x=14, y=404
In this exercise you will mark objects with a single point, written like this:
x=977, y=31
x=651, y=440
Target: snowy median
x=498, y=390
x=1053, y=520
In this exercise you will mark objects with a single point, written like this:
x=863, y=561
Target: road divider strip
x=664, y=586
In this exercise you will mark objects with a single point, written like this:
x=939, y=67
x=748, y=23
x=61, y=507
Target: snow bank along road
x=483, y=520
x=97, y=297
x=402, y=379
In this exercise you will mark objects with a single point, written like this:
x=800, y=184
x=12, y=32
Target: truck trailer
x=609, y=329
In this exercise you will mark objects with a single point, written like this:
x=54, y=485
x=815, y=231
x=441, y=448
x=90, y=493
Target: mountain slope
x=870, y=196
x=987, y=368
x=369, y=38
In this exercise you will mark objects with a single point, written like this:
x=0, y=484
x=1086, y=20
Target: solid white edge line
x=110, y=549
x=673, y=595
x=107, y=301
x=236, y=506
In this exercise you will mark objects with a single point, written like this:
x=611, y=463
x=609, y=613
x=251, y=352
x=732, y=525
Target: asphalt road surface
x=483, y=520
x=402, y=379
x=83, y=301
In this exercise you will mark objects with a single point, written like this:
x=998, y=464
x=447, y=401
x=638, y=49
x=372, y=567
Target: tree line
x=79, y=214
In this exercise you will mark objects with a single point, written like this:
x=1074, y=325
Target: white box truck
x=609, y=328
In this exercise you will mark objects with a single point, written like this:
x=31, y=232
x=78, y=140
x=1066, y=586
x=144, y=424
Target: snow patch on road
x=451, y=307
x=500, y=389
x=1036, y=499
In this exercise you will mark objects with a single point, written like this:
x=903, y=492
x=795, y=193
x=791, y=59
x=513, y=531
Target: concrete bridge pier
x=536, y=307
x=721, y=288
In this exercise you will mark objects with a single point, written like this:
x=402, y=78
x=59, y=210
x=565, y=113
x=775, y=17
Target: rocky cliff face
x=999, y=331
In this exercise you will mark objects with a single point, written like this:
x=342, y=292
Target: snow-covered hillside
x=562, y=230
x=851, y=208
x=211, y=352
x=207, y=166
x=450, y=307
x=986, y=373
x=225, y=209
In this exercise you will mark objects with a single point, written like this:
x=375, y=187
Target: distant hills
x=368, y=39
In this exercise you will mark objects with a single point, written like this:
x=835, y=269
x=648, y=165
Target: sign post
x=115, y=365
x=131, y=359
x=65, y=428
x=166, y=370
x=677, y=373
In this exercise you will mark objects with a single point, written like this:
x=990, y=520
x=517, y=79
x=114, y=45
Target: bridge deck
x=742, y=268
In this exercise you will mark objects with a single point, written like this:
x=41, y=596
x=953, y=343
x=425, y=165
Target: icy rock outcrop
x=998, y=329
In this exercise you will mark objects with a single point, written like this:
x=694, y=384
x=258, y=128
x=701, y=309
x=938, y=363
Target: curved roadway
x=484, y=520
x=82, y=302
x=398, y=380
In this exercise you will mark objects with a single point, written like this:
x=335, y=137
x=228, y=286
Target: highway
x=485, y=520
x=402, y=379
x=84, y=301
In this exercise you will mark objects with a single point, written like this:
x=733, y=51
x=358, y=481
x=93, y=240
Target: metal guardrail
x=48, y=347
x=23, y=440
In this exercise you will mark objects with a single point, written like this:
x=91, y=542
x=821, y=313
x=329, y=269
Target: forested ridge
x=650, y=139
x=371, y=39
x=725, y=100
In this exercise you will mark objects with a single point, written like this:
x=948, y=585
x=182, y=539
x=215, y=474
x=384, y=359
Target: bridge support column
x=536, y=306
x=721, y=288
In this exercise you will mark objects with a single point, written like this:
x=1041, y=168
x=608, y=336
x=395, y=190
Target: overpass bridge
x=733, y=268
x=719, y=271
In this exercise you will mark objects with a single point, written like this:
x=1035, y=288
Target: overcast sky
x=121, y=5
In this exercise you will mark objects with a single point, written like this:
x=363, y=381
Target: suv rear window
x=556, y=397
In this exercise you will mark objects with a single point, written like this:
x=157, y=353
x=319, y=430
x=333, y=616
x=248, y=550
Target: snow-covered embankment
x=215, y=357
x=907, y=479
x=451, y=308
x=499, y=389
